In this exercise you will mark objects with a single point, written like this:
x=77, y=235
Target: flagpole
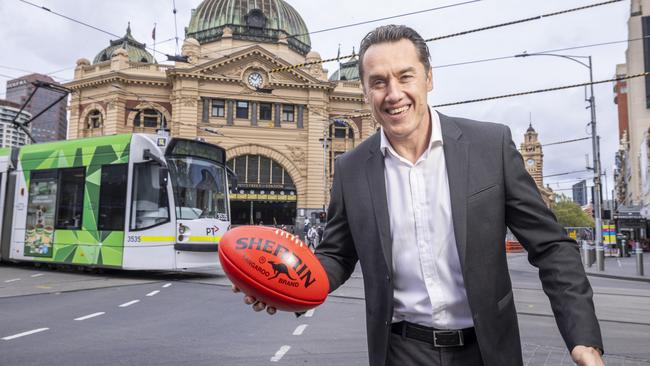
x=338, y=58
x=153, y=35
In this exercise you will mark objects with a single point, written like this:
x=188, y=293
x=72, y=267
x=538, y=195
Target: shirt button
x=388, y=278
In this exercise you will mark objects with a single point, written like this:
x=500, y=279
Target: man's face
x=396, y=84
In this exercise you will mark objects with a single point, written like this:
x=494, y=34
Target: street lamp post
x=600, y=252
x=325, y=141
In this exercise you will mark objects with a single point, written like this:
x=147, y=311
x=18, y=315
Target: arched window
x=258, y=171
x=94, y=119
x=341, y=136
x=149, y=118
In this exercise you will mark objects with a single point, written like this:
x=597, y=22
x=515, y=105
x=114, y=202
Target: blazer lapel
x=456, y=158
x=377, y=188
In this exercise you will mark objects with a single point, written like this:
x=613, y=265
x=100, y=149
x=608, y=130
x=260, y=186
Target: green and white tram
x=134, y=201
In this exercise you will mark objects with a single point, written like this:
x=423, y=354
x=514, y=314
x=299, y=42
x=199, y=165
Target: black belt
x=435, y=337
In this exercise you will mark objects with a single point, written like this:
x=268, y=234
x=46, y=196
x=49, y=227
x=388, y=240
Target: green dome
x=348, y=71
x=137, y=51
x=254, y=20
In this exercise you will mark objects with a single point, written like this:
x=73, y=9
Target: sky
x=34, y=40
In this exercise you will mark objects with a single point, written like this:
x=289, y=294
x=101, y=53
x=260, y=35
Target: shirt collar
x=436, y=135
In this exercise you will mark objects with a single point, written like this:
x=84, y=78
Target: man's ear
x=430, y=80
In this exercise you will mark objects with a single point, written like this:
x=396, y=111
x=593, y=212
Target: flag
x=153, y=32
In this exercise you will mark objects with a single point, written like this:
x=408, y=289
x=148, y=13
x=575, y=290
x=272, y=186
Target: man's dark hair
x=394, y=33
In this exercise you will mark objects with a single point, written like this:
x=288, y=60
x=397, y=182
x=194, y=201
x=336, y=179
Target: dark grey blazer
x=490, y=189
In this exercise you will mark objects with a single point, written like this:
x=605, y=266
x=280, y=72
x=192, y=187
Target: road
x=54, y=316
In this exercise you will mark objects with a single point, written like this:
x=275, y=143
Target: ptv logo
x=211, y=230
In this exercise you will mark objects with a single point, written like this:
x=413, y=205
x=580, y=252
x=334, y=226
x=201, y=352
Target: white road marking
x=153, y=293
x=36, y=275
x=129, y=303
x=90, y=316
x=278, y=355
x=309, y=314
x=300, y=329
x=12, y=280
x=167, y=285
x=24, y=334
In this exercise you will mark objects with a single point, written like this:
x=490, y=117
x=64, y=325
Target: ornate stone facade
x=227, y=93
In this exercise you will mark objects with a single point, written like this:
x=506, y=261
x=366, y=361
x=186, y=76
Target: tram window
x=112, y=197
x=149, y=206
x=70, y=202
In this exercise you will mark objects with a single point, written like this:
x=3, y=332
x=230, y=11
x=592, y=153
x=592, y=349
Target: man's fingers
x=249, y=300
x=259, y=306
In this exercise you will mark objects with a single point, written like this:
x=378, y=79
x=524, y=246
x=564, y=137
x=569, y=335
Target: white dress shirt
x=427, y=279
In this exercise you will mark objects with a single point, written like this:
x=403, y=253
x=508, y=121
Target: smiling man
x=423, y=205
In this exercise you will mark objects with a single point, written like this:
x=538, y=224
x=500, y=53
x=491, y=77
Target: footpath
x=624, y=268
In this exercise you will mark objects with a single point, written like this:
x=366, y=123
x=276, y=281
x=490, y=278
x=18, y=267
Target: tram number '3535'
x=133, y=239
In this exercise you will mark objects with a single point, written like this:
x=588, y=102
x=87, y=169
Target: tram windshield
x=200, y=188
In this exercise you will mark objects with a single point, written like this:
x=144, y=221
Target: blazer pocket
x=483, y=191
x=501, y=304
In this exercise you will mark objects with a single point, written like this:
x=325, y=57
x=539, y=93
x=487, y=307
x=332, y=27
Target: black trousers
x=404, y=351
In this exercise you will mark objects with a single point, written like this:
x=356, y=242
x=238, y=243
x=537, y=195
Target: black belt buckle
x=448, y=338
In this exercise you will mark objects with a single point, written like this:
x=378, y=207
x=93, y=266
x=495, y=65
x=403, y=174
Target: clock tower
x=531, y=151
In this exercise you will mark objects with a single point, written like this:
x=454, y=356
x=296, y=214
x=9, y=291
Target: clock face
x=255, y=79
x=530, y=161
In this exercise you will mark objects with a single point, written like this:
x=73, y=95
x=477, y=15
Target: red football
x=273, y=266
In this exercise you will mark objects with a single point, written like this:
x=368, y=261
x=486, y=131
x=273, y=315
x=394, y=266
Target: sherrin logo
x=287, y=259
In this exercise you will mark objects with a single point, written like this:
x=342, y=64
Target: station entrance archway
x=265, y=194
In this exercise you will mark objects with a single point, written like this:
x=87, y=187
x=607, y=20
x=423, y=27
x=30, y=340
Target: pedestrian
x=312, y=234
x=319, y=230
x=423, y=205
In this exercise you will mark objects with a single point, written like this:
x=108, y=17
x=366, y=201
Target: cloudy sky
x=34, y=40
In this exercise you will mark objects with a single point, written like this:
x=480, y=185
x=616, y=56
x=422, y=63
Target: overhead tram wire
x=566, y=141
x=626, y=77
x=566, y=173
x=356, y=24
x=384, y=18
x=519, y=21
x=542, y=52
x=89, y=25
x=365, y=22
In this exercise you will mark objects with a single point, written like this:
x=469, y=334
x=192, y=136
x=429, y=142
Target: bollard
x=584, y=250
x=639, y=259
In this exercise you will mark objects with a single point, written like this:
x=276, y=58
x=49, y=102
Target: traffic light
x=322, y=216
